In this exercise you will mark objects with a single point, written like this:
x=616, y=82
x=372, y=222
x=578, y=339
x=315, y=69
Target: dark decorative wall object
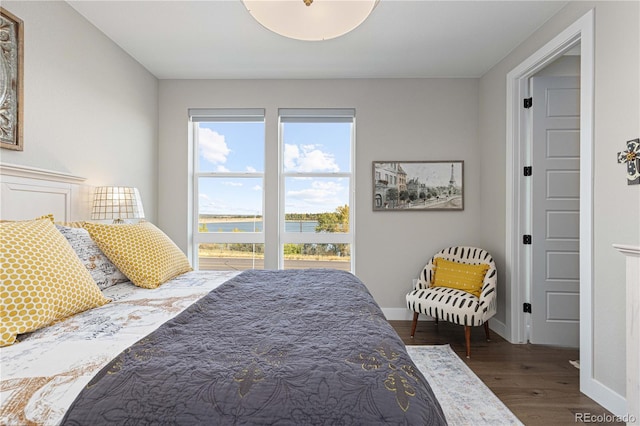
x=632, y=158
x=11, y=73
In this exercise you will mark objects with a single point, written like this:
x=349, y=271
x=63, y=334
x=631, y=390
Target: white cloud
x=257, y=188
x=210, y=205
x=308, y=158
x=291, y=154
x=251, y=169
x=227, y=183
x=213, y=147
x=321, y=193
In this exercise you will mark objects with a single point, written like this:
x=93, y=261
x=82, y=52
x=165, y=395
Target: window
x=229, y=164
x=316, y=183
x=252, y=210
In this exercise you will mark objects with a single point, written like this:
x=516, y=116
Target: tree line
x=331, y=222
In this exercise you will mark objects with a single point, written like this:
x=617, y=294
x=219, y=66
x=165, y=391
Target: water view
x=251, y=226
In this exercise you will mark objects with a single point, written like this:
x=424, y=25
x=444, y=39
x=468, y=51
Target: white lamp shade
x=322, y=20
x=117, y=202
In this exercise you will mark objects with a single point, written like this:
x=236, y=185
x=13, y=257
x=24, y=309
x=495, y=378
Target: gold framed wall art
x=11, y=76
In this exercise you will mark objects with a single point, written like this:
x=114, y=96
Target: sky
x=433, y=173
x=240, y=148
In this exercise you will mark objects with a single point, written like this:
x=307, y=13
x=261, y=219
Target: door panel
x=562, y=102
x=562, y=265
x=563, y=225
x=563, y=306
x=555, y=201
x=563, y=184
x=563, y=144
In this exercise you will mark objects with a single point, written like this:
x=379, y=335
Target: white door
x=555, y=214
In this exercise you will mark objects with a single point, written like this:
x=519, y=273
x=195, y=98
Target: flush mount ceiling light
x=310, y=20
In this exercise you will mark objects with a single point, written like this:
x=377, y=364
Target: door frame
x=517, y=257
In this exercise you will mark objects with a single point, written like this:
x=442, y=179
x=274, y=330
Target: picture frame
x=11, y=80
x=418, y=185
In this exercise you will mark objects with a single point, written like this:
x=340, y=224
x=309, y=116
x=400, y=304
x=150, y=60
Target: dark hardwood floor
x=536, y=382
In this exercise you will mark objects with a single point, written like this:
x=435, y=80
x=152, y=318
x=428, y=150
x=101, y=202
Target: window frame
x=196, y=116
x=273, y=235
x=306, y=115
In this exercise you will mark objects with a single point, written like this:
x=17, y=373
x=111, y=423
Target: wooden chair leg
x=486, y=330
x=414, y=324
x=467, y=339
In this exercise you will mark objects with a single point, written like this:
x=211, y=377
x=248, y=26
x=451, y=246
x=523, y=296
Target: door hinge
x=526, y=239
x=526, y=308
x=528, y=103
x=528, y=170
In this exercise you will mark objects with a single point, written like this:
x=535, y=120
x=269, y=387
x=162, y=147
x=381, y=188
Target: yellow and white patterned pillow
x=41, y=279
x=145, y=254
x=44, y=216
x=461, y=276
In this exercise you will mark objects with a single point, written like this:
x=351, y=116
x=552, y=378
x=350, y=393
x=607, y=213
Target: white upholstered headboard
x=27, y=192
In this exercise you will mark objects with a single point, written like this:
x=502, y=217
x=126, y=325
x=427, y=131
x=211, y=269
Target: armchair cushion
x=459, y=276
x=448, y=304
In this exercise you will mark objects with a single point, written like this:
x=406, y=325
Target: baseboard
x=499, y=328
x=604, y=396
x=402, y=314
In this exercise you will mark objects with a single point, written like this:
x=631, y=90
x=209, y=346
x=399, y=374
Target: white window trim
x=198, y=115
x=286, y=115
x=272, y=217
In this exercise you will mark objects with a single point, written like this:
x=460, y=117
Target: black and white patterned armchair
x=453, y=305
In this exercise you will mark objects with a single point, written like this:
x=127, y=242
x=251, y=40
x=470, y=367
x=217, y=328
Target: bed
x=211, y=347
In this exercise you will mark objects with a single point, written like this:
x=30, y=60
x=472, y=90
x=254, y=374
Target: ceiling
x=401, y=39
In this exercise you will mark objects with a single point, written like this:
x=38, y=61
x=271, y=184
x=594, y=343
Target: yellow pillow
x=461, y=276
x=41, y=279
x=141, y=251
x=45, y=216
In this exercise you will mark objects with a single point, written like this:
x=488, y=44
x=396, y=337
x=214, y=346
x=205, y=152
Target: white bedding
x=42, y=374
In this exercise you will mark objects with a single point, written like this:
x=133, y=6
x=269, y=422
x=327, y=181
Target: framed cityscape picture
x=418, y=185
x=11, y=74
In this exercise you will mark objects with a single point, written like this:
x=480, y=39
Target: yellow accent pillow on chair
x=41, y=279
x=144, y=253
x=460, y=276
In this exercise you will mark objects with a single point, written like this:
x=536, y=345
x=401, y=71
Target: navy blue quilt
x=293, y=347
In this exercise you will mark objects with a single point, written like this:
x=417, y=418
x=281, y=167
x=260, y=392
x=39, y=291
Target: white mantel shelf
x=632, y=254
x=628, y=250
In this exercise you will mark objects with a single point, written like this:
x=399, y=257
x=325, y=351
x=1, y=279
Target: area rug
x=464, y=398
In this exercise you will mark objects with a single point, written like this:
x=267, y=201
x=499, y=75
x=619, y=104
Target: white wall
x=616, y=205
x=89, y=108
x=423, y=119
